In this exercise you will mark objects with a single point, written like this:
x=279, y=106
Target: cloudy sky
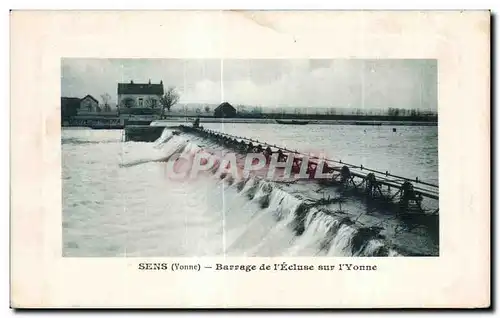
x=267, y=83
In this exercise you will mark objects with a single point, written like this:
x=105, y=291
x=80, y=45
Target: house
x=225, y=110
x=139, y=95
x=89, y=104
x=86, y=112
x=69, y=108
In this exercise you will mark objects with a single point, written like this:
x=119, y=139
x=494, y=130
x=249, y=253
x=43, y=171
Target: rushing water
x=119, y=201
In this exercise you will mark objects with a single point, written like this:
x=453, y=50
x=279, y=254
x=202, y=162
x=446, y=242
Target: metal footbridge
x=408, y=193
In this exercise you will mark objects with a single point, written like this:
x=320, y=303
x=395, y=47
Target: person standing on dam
x=196, y=123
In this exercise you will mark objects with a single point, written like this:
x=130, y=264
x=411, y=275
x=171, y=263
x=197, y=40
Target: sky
x=346, y=83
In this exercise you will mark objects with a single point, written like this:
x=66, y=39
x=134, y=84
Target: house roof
x=140, y=88
x=225, y=106
x=91, y=97
x=70, y=99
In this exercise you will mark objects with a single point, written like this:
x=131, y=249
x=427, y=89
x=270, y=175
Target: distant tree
x=105, y=100
x=257, y=110
x=197, y=110
x=207, y=109
x=393, y=112
x=169, y=99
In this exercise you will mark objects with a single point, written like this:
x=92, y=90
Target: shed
x=225, y=110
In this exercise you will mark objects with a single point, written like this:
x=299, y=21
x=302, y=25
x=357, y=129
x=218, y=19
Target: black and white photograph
x=249, y=157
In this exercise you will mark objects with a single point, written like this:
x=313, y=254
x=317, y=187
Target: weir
x=407, y=193
x=310, y=207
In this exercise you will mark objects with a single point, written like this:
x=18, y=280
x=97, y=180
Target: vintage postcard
x=254, y=160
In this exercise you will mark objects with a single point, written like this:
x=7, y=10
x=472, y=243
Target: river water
x=118, y=200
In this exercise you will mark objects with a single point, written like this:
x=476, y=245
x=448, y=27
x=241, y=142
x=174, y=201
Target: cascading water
x=270, y=211
x=149, y=213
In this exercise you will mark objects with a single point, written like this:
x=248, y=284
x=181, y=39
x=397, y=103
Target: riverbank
x=116, y=123
x=168, y=121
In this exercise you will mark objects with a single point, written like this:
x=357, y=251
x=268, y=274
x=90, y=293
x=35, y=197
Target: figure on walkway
x=196, y=123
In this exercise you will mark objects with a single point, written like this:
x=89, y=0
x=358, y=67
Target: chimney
x=161, y=82
x=131, y=82
x=149, y=82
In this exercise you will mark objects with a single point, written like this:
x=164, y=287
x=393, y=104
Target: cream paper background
x=459, y=277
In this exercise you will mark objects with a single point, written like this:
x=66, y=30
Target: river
x=118, y=201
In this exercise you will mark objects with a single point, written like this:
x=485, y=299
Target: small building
x=89, y=104
x=139, y=95
x=69, y=108
x=225, y=110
